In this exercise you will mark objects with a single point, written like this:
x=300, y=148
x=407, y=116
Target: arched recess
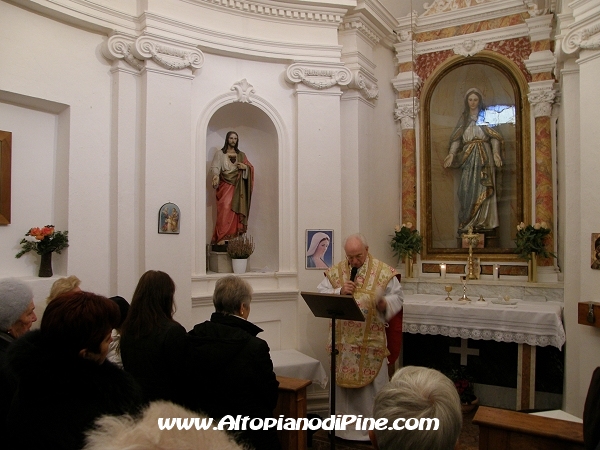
x=266, y=143
x=442, y=101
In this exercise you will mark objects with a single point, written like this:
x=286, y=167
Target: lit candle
x=443, y=270
x=496, y=271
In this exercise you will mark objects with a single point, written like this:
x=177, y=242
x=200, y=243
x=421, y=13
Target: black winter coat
x=235, y=374
x=57, y=397
x=158, y=362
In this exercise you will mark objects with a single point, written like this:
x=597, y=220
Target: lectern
x=333, y=306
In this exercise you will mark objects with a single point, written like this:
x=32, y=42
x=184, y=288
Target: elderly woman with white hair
x=16, y=311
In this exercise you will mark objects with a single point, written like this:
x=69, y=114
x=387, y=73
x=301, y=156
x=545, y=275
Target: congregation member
x=153, y=345
x=128, y=432
x=236, y=368
x=16, y=311
x=361, y=366
x=591, y=414
x=114, y=349
x=62, y=381
x=63, y=286
x=16, y=317
x=418, y=392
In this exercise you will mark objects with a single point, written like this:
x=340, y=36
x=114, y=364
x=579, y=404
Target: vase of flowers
x=531, y=243
x=239, y=250
x=406, y=243
x=44, y=241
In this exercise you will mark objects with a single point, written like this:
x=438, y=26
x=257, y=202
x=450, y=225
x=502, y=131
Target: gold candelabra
x=472, y=239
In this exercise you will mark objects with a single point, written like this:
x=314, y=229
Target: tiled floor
x=469, y=438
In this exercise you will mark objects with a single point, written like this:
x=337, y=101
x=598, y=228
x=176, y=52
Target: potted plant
x=464, y=387
x=239, y=250
x=531, y=243
x=406, y=242
x=44, y=241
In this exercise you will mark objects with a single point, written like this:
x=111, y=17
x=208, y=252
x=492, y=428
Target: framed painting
x=169, y=218
x=475, y=159
x=595, y=251
x=5, y=174
x=319, y=249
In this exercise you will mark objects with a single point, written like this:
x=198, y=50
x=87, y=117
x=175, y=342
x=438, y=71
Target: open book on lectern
x=333, y=306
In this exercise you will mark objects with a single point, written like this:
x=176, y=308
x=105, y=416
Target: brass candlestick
x=463, y=278
x=472, y=239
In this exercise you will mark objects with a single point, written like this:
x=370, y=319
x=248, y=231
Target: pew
x=501, y=429
x=292, y=403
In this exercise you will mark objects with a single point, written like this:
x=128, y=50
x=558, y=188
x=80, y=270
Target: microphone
x=353, y=273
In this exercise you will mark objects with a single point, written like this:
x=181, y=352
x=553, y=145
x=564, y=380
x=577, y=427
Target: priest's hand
x=348, y=288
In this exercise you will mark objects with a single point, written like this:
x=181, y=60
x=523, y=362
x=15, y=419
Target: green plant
x=44, y=240
x=532, y=238
x=240, y=247
x=406, y=241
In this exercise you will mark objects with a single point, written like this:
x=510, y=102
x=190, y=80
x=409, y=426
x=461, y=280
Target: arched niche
x=442, y=101
x=259, y=140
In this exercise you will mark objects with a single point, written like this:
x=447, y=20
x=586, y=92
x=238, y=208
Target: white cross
x=464, y=351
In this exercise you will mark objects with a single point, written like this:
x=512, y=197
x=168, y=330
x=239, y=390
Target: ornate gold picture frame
x=485, y=184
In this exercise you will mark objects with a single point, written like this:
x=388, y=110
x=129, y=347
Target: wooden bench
x=292, y=403
x=501, y=429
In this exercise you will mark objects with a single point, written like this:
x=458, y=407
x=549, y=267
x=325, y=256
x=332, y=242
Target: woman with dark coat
x=61, y=378
x=153, y=345
x=234, y=356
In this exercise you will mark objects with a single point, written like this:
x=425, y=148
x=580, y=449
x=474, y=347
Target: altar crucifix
x=472, y=239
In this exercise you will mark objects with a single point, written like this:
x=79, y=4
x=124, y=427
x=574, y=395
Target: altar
x=529, y=324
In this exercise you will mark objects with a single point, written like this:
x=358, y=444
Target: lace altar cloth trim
x=499, y=336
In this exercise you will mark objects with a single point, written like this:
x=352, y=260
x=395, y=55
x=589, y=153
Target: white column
x=320, y=152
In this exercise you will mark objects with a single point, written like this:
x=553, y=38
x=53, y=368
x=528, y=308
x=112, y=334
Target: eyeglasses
x=354, y=257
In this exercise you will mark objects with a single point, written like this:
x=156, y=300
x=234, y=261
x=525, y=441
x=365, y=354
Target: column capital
x=406, y=81
x=541, y=96
x=582, y=37
x=169, y=55
x=406, y=111
x=365, y=83
x=318, y=76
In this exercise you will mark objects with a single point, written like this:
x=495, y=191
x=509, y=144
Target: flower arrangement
x=532, y=238
x=44, y=240
x=406, y=241
x=464, y=384
x=240, y=247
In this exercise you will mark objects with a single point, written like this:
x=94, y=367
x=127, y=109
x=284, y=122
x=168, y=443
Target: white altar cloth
x=292, y=363
x=533, y=323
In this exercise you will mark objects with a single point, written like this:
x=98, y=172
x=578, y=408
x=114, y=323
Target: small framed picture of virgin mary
x=169, y=217
x=319, y=249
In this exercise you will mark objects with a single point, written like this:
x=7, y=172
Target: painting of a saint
x=319, y=249
x=168, y=220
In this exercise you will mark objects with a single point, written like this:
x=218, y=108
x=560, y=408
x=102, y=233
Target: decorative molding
x=318, y=76
x=540, y=27
x=533, y=9
x=279, y=12
x=541, y=96
x=356, y=23
x=495, y=9
x=406, y=81
x=468, y=47
x=440, y=6
x=118, y=47
x=483, y=37
x=406, y=111
x=257, y=297
x=365, y=84
x=583, y=38
x=168, y=55
x=243, y=90
x=540, y=62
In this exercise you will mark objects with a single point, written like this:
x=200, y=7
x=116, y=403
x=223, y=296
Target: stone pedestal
x=219, y=262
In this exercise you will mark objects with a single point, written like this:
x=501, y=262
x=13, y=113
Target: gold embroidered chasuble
x=361, y=345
